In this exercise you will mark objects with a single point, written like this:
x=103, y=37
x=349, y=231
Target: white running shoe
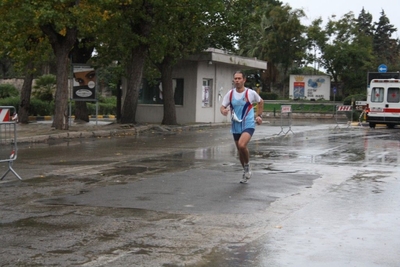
x=246, y=174
x=247, y=171
x=244, y=179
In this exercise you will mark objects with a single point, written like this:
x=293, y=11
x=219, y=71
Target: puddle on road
x=128, y=170
x=237, y=255
x=80, y=162
x=374, y=181
x=39, y=224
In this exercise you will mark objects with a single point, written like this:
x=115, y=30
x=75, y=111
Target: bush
x=108, y=100
x=45, y=88
x=37, y=107
x=44, y=108
x=10, y=101
x=268, y=96
x=41, y=108
x=8, y=90
x=104, y=108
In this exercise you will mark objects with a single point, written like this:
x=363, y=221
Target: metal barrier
x=343, y=109
x=286, y=110
x=8, y=138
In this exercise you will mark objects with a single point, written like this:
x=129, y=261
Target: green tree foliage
x=349, y=48
x=38, y=25
x=346, y=53
x=21, y=41
x=386, y=49
x=275, y=36
x=24, y=44
x=244, y=17
x=6, y=67
x=165, y=31
x=124, y=36
x=183, y=29
x=364, y=23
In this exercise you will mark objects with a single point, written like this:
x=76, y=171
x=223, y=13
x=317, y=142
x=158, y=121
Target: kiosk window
x=152, y=92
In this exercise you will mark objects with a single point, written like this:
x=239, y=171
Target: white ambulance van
x=383, y=102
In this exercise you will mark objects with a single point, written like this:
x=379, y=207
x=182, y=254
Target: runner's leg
x=241, y=145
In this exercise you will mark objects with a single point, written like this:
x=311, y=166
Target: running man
x=239, y=101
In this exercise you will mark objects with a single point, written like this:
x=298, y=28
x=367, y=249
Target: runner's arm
x=260, y=107
x=225, y=104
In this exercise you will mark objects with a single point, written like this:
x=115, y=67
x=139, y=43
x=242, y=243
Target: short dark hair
x=240, y=72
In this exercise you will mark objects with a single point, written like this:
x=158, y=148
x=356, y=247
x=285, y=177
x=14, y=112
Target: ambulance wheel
x=390, y=125
x=372, y=125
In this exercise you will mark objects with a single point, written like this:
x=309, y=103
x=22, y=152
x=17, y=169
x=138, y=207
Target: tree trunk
x=119, y=102
x=134, y=74
x=169, y=117
x=60, y=120
x=81, y=111
x=24, y=105
x=62, y=45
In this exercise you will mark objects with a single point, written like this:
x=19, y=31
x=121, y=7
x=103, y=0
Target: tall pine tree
x=386, y=49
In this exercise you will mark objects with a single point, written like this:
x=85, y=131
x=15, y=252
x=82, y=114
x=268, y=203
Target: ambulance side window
x=393, y=95
x=377, y=94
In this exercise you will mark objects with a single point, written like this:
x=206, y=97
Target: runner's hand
x=258, y=120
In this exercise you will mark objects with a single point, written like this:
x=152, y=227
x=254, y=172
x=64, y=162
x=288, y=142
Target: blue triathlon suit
x=245, y=112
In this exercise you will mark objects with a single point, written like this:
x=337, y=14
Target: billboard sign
x=309, y=87
x=84, y=83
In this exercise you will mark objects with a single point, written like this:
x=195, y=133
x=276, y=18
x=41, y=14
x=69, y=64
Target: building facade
x=200, y=82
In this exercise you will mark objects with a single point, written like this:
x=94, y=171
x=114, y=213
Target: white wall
x=186, y=70
x=205, y=71
x=222, y=75
x=224, y=83
x=310, y=86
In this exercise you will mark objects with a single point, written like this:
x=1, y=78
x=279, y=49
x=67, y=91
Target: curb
x=121, y=131
x=40, y=118
x=50, y=118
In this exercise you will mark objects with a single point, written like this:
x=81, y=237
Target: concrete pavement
x=320, y=196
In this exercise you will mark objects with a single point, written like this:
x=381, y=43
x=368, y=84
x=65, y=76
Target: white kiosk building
x=200, y=82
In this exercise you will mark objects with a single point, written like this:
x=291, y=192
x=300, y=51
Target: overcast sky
x=325, y=8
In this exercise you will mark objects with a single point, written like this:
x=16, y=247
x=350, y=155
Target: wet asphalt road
x=319, y=196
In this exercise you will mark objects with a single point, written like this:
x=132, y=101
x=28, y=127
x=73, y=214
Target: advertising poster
x=298, y=90
x=205, y=96
x=309, y=87
x=84, y=83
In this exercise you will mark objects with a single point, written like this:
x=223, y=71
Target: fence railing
x=8, y=139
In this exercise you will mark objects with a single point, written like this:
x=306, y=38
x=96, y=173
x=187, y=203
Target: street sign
x=334, y=90
x=4, y=114
x=286, y=109
x=344, y=108
x=361, y=103
x=382, y=68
